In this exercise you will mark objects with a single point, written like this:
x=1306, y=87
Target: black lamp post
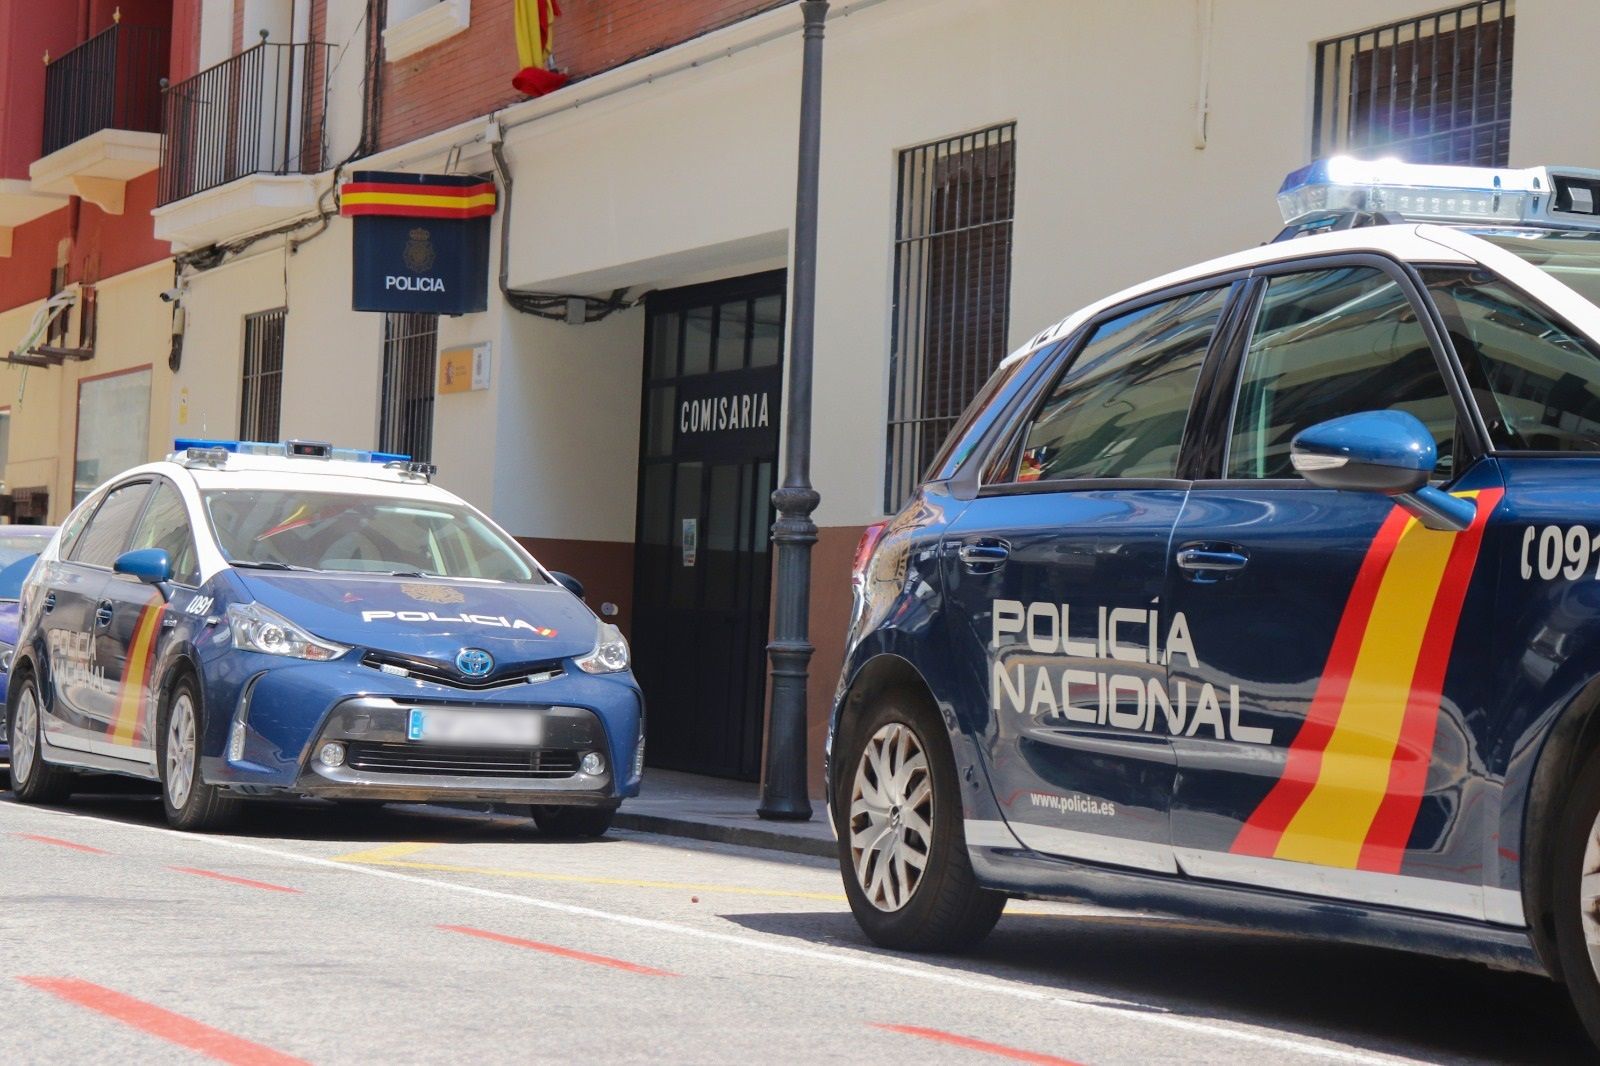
x=783, y=793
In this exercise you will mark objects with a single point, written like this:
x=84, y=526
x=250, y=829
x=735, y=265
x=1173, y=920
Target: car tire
x=32, y=779
x=885, y=826
x=189, y=802
x=573, y=823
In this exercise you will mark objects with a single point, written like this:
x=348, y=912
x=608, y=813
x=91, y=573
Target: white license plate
x=519, y=729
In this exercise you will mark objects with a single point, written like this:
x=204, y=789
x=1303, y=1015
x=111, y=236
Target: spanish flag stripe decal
x=129, y=724
x=419, y=200
x=395, y=188
x=358, y=198
x=1261, y=833
x=1353, y=780
x=1408, y=772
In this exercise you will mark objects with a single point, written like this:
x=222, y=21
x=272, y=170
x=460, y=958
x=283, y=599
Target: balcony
x=243, y=141
x=102, y=115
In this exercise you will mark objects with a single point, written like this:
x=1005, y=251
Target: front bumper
x=267, y=720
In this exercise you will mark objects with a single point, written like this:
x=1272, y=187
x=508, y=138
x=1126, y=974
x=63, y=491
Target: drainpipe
x=783, y=790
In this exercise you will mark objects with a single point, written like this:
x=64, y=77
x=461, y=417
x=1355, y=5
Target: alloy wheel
x=891, y=817
x=180, y=751
x=24, y=741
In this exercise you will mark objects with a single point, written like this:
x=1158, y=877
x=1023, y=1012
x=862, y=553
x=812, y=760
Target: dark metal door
x=702, y=572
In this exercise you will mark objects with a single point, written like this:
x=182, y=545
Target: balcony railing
x=111, y=81
x=261, y=112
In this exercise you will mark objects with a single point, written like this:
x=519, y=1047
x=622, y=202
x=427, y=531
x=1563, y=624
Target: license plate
x=519, y=729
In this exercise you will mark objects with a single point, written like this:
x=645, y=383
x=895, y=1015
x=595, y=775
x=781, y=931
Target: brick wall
x=470, y=74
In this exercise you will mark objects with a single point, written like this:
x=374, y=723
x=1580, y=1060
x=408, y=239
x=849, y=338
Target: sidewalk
x=709, y=808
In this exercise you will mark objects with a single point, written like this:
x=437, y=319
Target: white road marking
x=1123, y=1010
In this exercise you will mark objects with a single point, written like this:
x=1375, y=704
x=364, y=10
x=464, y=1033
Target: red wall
x=470, y=74
x=28, y=29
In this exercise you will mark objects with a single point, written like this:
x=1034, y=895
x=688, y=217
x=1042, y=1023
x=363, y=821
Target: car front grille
x=441, y=674
x=446, y=760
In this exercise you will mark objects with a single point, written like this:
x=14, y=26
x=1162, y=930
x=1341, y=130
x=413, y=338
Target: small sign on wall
x=464, y=369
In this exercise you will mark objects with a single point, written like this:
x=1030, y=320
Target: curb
x=744, y=836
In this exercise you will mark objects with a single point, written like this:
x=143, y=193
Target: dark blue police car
x=1267, y=591
x=248, y=620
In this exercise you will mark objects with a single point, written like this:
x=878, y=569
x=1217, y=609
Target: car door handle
x=102, y=614
x=984, y=556
x=1212, y=560
x=49, y=602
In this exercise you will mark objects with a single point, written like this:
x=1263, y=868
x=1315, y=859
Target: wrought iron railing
x=261, y=112
x=111, y=81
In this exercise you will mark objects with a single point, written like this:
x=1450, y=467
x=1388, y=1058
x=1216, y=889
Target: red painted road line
x=60, y=843
x=1014, y=1054
x=173, y=1028
x=232, y=880
x=565, y=953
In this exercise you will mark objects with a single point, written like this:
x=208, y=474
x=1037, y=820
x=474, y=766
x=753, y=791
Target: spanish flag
x=458, y=196
x=535, y=38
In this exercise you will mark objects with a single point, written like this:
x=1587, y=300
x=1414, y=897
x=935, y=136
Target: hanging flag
x=535, y=26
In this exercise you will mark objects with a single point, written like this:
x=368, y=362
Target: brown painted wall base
x=604, y=567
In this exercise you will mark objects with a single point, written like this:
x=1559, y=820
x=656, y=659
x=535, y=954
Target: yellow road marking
x=388, y=851
x=580, y=879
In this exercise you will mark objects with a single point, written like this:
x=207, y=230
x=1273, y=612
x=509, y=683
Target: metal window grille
x=1433, y=89
x=261, y=401
x=952, y=291
x=410, y=349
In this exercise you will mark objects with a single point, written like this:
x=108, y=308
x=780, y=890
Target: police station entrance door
x=702, y=571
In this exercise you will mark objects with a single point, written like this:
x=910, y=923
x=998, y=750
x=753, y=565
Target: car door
x=1336, y=760
x=74, y=612
x=126, y=646
x=1053, y=579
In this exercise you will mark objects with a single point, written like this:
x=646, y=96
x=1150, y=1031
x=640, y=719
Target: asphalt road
x=407, y=934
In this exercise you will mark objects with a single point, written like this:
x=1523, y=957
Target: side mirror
x=1387, y=452
x=153, y=566
x=568, y=582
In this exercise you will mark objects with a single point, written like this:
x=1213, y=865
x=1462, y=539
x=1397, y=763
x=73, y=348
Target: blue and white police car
x=1267, y=591
x=251, y=620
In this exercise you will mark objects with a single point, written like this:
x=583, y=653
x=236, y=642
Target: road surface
x=404, y=934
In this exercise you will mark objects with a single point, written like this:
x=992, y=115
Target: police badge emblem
x=433, y=593
x=419, y=253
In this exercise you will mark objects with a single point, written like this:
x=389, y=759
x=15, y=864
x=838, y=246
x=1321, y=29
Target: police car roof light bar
x=216, y=452
x=1317, y=196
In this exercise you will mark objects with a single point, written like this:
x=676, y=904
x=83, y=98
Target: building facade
x=618, y=404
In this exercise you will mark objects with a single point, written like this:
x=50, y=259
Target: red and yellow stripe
x=407, y=200
x=132, y=721
x=1354, y=775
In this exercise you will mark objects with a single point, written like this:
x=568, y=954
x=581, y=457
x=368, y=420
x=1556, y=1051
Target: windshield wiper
x=408, y=573
x=266, y=564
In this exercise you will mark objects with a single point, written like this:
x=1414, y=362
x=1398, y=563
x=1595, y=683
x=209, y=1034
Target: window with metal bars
x=1432, y=89
x=410, y=350
x=952, y=291
x=261, y=397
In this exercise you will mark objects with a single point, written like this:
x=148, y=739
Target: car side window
x=165, y=525
x=1536, y=381
x=1328, y=343
x=1120, y=407
x=107, y=532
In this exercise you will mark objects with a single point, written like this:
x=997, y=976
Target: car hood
x=431, y=618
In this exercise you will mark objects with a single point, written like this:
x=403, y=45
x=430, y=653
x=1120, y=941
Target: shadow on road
x=1385, y=1001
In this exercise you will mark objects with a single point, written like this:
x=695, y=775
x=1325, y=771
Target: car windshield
x=14, y=573
x=1571, y=258
x=14, y=546
x=295, y=530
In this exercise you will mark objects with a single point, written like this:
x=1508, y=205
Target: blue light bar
x=294, y=449
x=1563, y=197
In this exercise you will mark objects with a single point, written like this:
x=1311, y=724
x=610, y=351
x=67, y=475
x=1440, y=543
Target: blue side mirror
x=1387, y=452
x=568, y=582
x=153, y=566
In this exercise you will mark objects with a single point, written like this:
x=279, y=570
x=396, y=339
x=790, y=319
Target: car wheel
x=901, y=846
x=32, y=779
x=190, y=803
x=577, y=823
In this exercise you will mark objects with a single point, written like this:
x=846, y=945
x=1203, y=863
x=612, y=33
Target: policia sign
x=421, y=241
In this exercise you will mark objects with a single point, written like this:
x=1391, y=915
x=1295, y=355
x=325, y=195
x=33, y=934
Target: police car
x=1267, y=591
x=247, y=620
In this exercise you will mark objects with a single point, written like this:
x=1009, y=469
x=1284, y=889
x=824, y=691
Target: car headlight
x=610, y=653
x=255, y=628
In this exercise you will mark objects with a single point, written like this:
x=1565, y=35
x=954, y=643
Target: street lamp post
x=783, y=792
